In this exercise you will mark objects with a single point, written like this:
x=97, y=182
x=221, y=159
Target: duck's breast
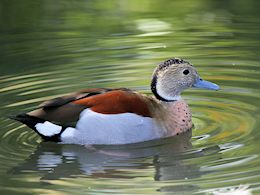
x=178, y=118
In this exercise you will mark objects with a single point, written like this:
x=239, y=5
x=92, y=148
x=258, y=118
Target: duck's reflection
x=166, y=157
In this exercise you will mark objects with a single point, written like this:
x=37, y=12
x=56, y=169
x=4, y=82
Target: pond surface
x=51, y=48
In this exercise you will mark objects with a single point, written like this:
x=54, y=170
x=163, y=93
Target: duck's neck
x=178, y=117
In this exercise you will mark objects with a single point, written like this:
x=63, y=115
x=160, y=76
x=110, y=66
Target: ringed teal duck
x=120, y=116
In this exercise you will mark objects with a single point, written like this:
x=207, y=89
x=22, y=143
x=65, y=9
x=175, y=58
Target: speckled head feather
x=170, y=62
x=171, y=77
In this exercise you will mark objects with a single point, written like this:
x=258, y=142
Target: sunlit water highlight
x=65, y=51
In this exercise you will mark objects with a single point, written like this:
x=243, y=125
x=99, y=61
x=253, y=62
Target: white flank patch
x=96, y=128
x=48, y=129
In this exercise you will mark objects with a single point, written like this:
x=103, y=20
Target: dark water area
x=51, y=48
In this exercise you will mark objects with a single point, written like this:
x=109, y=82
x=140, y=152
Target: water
x=51, y=48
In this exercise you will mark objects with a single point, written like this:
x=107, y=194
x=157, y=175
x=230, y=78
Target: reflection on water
x=51, y=48
x=100, y=161
x=165, y=159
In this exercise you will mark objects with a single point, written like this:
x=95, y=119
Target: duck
x=110, y=116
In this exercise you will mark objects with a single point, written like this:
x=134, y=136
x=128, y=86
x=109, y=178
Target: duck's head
x=173, y=76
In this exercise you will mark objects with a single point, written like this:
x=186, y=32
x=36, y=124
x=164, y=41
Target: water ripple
x=224, y=126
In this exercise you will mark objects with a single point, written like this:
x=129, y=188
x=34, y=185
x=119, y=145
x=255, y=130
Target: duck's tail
x=47, y=130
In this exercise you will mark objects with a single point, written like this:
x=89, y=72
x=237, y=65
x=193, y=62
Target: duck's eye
x=185, y=72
